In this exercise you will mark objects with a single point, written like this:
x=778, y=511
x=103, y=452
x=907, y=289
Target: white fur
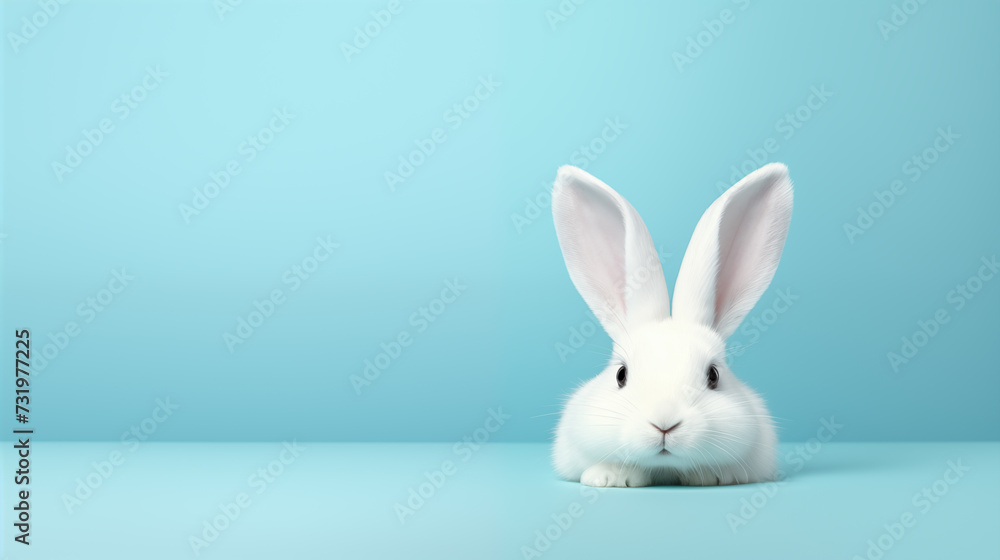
x=608, y=436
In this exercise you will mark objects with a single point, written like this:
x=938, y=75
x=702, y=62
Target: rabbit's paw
x=612, y=474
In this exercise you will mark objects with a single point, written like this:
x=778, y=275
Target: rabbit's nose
x=668, y=430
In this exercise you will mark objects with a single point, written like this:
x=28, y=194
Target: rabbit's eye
x=622, y=376
x=713, y=377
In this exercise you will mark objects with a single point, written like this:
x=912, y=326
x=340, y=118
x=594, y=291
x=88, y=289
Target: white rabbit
x=667, y=409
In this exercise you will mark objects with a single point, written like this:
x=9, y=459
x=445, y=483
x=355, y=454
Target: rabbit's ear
x=734, y=251
x=610, y=256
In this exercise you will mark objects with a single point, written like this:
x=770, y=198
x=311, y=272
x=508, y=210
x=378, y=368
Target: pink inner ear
x=605, y=243
x=601, y=234
x=750, y=243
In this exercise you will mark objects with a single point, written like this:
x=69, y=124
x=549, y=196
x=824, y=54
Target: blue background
x=496, y=345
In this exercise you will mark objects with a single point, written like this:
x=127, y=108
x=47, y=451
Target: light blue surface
x=560, y=82
x=339, y=501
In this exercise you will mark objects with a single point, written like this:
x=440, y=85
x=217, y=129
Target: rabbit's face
x=677, y=402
